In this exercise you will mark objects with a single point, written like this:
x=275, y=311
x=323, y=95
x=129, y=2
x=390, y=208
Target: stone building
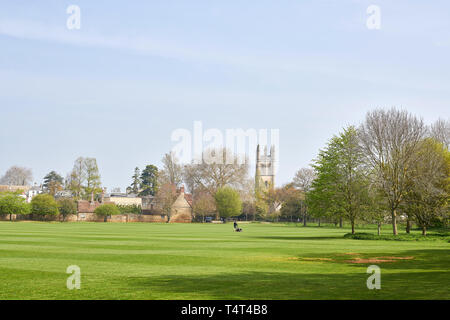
x=265, y=169
x=181, y=210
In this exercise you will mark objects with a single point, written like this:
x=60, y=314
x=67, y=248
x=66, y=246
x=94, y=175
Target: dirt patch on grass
x=317, y=259
x=378, y=259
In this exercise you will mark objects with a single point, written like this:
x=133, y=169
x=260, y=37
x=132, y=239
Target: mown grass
x=207, y=261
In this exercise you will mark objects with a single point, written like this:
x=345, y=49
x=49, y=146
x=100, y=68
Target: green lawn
x=206, y=261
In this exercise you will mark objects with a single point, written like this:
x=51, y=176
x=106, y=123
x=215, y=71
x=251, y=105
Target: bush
x=401, y=237
x=228, y=202
x=12, y=203
x=131, y=208
x=67, y=207
x=107, y=210
x=43, y=205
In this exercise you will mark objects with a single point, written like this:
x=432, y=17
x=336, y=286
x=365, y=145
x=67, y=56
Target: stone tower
x=265, y=169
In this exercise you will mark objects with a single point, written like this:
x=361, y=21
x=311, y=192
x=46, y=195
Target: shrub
x=107, y=210
x=12, y=203
x=131, y=208
x=67, y=207
x=401, y=237
x=43, y=205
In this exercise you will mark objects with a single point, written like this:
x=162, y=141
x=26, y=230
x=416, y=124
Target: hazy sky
x=137, y=70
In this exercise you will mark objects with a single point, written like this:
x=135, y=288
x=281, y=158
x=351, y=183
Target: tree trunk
x=394, y=222
x=340, y=222
x=304, y=220
x=424, y=231
x=319, y=222
x=353, y=227
x=10, y=217
x=408, y=225
x=379, y=228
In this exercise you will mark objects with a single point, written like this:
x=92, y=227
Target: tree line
x=390, y=165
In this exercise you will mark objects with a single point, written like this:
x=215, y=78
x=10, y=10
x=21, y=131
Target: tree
x=211, y=176
x=440, y=131
x=376, y=207
x=93, y=182
x=228, y=202
x=136, y=181
x=12, y=203
x=107, y=210
x=165, y=198
x=172, y=171
x=77, y=178
x=341, y=184
x=293, y=203
x=389, y=140
x=303, y=180
x=66, y=207
x=429, y=188
x=17, y=176
x=149, y=181
x=53, y=182
x=204, y=204
x=43, y=205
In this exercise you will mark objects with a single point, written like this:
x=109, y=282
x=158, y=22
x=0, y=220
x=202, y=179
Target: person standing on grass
x=235, y=225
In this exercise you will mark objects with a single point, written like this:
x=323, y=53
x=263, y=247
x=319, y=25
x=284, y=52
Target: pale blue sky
x=137, y=70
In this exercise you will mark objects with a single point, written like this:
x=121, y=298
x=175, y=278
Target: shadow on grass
x=432, y=260
x=289, y=286
x=297, y=238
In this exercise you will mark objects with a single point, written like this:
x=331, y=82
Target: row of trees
x=391, y=164
x=42, y=205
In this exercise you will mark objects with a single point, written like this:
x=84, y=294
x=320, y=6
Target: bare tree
x=204, y=204
x=93, y=182
x=165, y=198
x=304, y=178
x=210, y=176
x=17, y=176
x=440, y=130
x=172, y=171
x=77, y=177
x=389, y=139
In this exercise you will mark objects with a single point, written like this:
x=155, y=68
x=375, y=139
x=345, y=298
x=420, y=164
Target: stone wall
x=91, y=217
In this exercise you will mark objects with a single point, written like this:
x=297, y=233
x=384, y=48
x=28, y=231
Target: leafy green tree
x=12, y=203
x=429, y=188
x=53, y=182
x=341, y=186
x=43, y=205
x=149, y=181
x=66, y=207
x=228, y=202
x=107, y=210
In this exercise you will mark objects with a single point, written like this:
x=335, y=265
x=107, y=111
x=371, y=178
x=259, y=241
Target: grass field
x=206, y=261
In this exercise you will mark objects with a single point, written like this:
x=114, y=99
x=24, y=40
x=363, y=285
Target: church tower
x=265, y=169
